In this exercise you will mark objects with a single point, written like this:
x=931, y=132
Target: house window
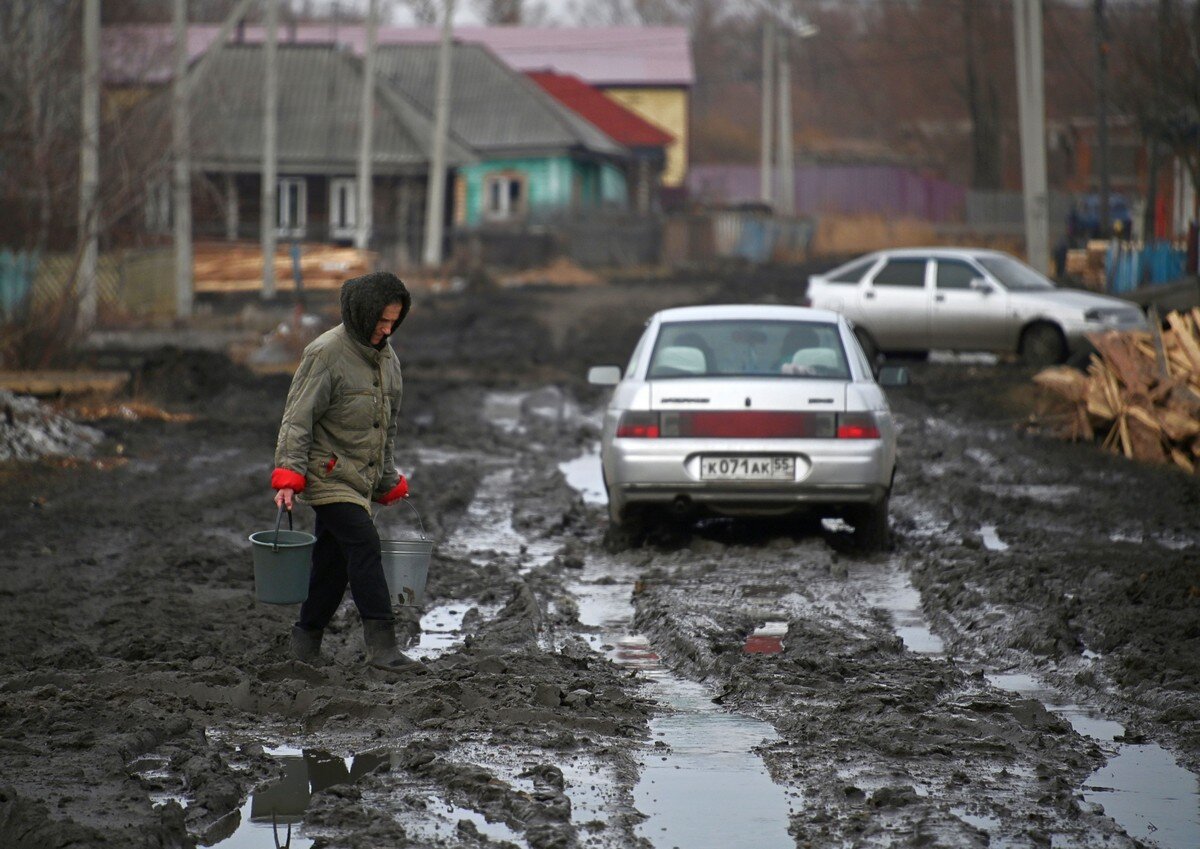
x=158, y=207
x=292, y=206
x=343, y=208
x=503, y=196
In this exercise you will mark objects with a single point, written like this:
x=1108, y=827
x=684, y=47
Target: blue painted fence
x=1127, y=267
x=16, y=282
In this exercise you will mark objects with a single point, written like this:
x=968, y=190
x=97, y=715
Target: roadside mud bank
x=147, y=699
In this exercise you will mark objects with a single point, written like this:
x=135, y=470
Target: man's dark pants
x=346, y=551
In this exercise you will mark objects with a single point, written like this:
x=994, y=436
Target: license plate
x=748, y=468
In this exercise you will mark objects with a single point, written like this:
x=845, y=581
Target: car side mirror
x=893, y=376
x=604, y=375
x=982, y=286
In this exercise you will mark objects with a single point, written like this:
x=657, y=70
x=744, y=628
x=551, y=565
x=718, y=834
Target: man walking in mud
x=336, y=446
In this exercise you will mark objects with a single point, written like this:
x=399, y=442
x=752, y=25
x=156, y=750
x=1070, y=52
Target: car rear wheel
x=870, y=522
x=1042, y=345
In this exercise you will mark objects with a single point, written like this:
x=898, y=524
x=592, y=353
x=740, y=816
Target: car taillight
x=638, y=425
x=857, y=426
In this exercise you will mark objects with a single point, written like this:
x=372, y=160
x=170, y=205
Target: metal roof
x=602, y=56
x=320, y=93
x=493, y=109
x=622, y=125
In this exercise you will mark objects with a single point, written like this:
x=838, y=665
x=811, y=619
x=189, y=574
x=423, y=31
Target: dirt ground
x=145, y=695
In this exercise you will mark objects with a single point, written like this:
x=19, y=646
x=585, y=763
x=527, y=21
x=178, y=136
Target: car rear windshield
x=748, y=348
x=851, y=273
x=1013, y=275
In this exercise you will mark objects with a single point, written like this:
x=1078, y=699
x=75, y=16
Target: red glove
x=287, y=479
x=400, y=490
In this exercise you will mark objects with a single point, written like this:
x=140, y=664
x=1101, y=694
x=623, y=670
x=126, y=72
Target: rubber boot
x=306, y=645
x=382, y=653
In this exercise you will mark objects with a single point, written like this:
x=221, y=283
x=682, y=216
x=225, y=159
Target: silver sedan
x=967, y=300
x=749, y=410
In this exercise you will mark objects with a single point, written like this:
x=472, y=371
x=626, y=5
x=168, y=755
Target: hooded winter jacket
x=337, y=439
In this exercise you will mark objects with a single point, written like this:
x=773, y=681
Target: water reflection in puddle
x=270, y=816
x=766, y=639
x=890, y=589
x=702, y=784
x=1142, y=787
x=585, y=475
x=487, y=528
x=991, y=540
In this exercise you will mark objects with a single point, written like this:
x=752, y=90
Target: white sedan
x=916, y=299
x=749, y=410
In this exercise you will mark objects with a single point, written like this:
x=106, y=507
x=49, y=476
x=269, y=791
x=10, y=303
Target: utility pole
x=435, y=202
x=787, y=162
x=1101, y=36
x=1031, y=112
x=363, y=220
x=181, y=188
x=89, y=168
x=270, y=128
x=765, y=165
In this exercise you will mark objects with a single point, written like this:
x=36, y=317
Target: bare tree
x=39, y=119
x=499, y=12
x=426, y=12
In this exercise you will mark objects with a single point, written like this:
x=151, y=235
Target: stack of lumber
x=237, y=266
x=1141, y=394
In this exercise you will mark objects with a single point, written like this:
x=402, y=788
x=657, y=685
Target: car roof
x=776, y=312
x=940, y=251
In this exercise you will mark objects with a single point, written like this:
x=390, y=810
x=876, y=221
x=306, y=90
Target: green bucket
x=282, y=560
x=406, y=566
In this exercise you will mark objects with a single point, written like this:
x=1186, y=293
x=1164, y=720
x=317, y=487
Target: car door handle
x=940, y=298
x=868, y=294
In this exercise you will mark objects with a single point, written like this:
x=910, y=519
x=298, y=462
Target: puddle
x=503, y=409
x=441, y=628
x=766, y=639
x=487, y=531
x=891, y=590
x=275, y=812
x=440, y=825
x=585, y=475
x=1046, y=493
x=701, y=783
x=1142, y=787
x=991, y=540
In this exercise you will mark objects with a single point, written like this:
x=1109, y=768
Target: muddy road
x=1021, y=669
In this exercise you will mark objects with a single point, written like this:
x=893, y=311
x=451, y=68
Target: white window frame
x=345, y=227
x=284, y=226
x=158, y=207
x=505, y=210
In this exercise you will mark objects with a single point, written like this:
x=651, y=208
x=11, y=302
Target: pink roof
x=601, y=56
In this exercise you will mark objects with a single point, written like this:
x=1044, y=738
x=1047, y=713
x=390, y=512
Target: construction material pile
x=237, y=266
x=1140, y=395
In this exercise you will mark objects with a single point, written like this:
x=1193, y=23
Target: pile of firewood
x=1140, y=395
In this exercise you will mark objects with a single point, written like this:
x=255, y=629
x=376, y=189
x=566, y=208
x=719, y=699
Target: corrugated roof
x=493, y=109
x=603, y=56
x=616, y=121
x=320, y=91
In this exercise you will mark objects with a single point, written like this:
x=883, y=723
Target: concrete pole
x=363, y=222
x=270, y=128
x=89, y=168
x=436, y=195
x=765, y=165
x=1101, y=37
x=1031, y=111
x=787, y=180
x=181, y=189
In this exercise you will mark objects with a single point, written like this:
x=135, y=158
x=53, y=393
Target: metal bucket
x=282, y=561
x=406, y=566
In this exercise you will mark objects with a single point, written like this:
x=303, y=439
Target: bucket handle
x=278, y=520
x=417, y=514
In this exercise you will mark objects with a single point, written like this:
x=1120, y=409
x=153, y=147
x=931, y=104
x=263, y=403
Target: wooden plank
x=46, y=384
x=1185, y=338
